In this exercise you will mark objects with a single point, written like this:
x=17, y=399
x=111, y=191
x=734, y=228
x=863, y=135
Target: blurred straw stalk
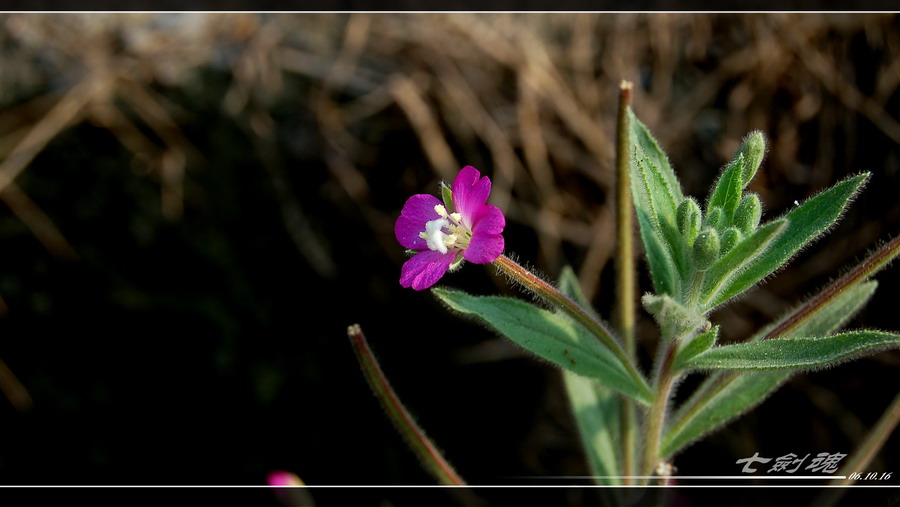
x=528, y=97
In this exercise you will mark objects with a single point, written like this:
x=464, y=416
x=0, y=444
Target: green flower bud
x=688, y=218
x=754, y=150
x=732, y=236
x=715, y=218
x=748, y=213
x=706, y=249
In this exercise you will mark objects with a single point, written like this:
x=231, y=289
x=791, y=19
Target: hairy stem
x=656, y=414
x=424, y=449
x=874, y=262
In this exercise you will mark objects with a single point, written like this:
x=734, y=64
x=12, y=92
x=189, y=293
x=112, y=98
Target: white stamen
x=456, y=235
x=434, y=236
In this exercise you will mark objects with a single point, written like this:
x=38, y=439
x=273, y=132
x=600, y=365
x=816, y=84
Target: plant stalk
x=873, y=443
x=656, y=415
x=424, y=449
x=625, y=272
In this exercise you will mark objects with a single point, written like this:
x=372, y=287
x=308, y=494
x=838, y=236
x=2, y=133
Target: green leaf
x=732, y=396
x=568, y=285
x=663, y=272
x=805, y=223
x=727, y=192
x=732, y=263
x=596, y=408
x=551, y=336
x=724, y=396
x=794, y=353
x=641, y=137
x=826, y=318
x=654, y=194
x=596, y=411
x=655, y=198
x=701, y=343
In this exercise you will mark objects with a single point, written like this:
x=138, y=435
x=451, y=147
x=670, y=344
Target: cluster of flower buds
x=729, y=218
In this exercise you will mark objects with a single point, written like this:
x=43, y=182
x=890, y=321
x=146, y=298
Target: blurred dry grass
x=528, y=99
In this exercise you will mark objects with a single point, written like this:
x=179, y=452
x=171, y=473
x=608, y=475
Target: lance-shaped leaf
x=726, y=395
x=596, y=411
x=738, y=258
x=805, y=223
x=656, y=194
x=596, y=408
x=551, y=336
x=734, y=395
x=726, y=195
x=653, y=190
x=641, y=137
x=829, y=304
x=794, y=353
x=698, y=345
x=663, y=272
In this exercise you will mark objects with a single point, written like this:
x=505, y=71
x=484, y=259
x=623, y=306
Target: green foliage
x=732, y=252
x=793, y=353
x=731, y=237
x=665, y=277
x=726, y=195
x=551, y=336
x=730, y=265
x=730, y=397
x=699, y=344
x=701, y=267
x=725, y=396
x=706, y=249
x=806, y=222
x=675, y=320
x=689, y=218
x=748, y=214
x=752, y=150
x=595, y=408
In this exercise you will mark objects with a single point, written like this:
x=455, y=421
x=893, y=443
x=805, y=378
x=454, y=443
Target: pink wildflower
x=443, y=238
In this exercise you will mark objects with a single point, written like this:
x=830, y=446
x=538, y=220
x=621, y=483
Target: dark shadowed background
x=196, y=206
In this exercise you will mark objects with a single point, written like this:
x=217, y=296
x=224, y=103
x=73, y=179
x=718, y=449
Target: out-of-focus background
x=196, y=206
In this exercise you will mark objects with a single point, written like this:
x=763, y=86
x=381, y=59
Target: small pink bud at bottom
x=279, y=478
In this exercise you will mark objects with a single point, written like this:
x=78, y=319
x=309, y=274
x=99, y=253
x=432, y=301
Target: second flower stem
x=656, y=414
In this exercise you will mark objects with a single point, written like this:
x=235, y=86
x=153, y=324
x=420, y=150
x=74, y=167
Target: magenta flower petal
x=418, y=210
x=470, y=193
x=484, y=248
x=489, y=220
x=486, y=243
x=425, y=268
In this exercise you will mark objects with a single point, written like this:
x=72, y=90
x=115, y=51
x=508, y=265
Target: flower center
x=446, y=232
